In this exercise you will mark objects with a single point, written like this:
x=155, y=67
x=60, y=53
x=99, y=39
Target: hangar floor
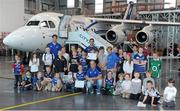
x=29, y=100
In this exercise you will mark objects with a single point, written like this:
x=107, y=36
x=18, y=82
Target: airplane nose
x=6, y=41
x=11, y=40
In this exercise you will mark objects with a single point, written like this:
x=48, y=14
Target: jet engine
x=116, y=34
x=145, y=36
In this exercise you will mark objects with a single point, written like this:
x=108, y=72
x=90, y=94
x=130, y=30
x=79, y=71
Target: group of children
x=69, y=72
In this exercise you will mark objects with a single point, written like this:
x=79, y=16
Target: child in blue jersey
x=38, y=81
x=18, y=70
x=80, y=76
x=48, y=75
x=112, y=60
x=83, y=61
x=109, y=83
x=91, y=46
x=140, y=63
x=56, y=83
x=26, y=83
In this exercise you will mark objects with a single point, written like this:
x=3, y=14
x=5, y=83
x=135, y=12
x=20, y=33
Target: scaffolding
x=171, y=32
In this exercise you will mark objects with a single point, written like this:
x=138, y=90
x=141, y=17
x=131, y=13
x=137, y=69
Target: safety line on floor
x=39, y=101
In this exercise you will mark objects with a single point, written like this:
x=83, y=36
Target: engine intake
x=116, y=34
x=145, y=36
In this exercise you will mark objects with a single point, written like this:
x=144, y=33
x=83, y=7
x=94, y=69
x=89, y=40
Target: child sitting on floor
x=26, y=84
x=151, y=95
x=135, y=87
x=109, y=83
x=80, y=77
x=38, y=82
x=169, y=94
x=47, y=78
x=56, y=83
x=126, y=86
x=118, y=87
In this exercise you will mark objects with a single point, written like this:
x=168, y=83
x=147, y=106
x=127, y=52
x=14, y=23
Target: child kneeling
x=169, y=94
x=151, y=95
x=109, y=84
x=26, y=84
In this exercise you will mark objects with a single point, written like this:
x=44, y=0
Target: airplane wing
x=119, y=21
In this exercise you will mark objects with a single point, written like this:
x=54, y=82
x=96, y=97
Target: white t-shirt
x=128, y=68
x=34, y=65
x=153, y=93
x=126, y=86
x=48, y=58
x=170, y=93
x=135, y=86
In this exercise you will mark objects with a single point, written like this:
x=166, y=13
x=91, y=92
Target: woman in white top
x=34, y=64
x=128, y=65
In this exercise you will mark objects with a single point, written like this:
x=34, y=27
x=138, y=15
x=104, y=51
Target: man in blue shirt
x=91, y=46
x=140, y=63
x=54, y=46
x=112, y=60
x=93, y=76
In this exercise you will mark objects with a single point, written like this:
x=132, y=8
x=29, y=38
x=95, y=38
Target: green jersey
x=155, y=67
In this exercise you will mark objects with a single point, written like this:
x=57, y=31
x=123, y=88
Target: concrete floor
x=28, y=100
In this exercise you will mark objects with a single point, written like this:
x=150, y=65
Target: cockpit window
x=44, y=24
x=33, y=23
x=51, y=24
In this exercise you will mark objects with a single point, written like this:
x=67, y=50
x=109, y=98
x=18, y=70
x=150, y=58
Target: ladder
x=82, y=38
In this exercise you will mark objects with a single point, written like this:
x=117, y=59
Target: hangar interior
x=21, y=11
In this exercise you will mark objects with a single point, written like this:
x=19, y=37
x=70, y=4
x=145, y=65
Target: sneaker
x=141, y=104
x=92, y=92
x=98, y=93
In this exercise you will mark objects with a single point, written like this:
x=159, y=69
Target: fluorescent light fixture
x=171, y=5
x=70, y=3
x=98, y=6
x=134, y=1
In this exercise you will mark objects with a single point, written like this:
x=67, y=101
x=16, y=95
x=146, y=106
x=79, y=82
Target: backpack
x=45, y=56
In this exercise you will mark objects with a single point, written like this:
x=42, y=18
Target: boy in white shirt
x=169, y=94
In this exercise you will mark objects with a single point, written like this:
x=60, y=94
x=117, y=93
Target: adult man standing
x=91, y=46
x=54, y=46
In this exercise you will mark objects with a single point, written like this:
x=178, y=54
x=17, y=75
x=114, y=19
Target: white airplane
x=37, y=32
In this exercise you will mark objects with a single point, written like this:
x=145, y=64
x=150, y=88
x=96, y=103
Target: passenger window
x=44, y=24
x=51, y=24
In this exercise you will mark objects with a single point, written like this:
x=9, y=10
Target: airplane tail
x=129, y=11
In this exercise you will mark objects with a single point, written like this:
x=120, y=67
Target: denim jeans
x=98, y=84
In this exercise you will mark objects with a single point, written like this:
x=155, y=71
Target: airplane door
x=64, y=26
x=46, y=33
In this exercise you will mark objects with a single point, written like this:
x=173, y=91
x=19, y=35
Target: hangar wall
x=11, y=15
